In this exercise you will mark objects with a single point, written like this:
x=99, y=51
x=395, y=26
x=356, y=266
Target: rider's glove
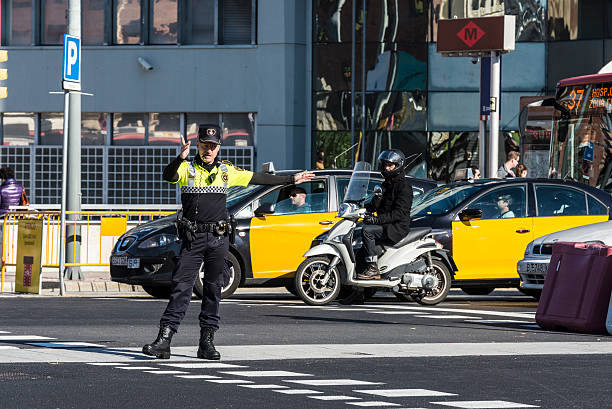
x=369, y=219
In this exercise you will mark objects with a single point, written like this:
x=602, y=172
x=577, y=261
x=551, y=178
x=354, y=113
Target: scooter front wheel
x=311, y=283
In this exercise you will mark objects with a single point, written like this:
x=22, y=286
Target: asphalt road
x=469, y=352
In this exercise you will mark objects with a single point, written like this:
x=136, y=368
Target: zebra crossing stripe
x=296, y=391
x=264, y=373
x=485, y=404
x=333, y=382
x=264, y=386
x=166, y=372
x=371, y=404
x=334, y=397
x=205, y=365
x=402, y=393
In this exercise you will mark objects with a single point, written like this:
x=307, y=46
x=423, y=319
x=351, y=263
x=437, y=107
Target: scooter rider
x=203, y=230
x=392, y=222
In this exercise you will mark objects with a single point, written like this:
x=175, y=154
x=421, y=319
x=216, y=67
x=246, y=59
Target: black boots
x=370, y=273
x=160, y=348
x=207, y=348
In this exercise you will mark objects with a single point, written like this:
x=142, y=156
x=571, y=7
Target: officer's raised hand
x=302, y=177
x=184, y=148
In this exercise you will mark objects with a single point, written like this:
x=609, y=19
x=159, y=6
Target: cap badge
x=211, y=131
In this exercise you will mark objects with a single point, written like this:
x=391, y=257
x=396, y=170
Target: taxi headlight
x=160, y=240
x=528, y=249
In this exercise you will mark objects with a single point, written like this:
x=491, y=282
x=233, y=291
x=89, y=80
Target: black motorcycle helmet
x=394, y=156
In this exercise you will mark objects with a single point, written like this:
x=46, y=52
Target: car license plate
x=539, y=268
x=133, y=263
x=119, y=260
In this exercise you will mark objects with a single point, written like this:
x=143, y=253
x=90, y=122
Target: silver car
x=532, y=268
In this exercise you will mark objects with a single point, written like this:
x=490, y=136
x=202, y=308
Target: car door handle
x=326, y=222
x=523, y=231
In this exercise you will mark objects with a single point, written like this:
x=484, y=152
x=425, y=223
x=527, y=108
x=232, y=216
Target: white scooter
x=416, y=267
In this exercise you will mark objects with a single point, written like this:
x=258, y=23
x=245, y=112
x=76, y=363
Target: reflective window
x=334, y=147
x=237, y=129
x=54, y=21
x=92, y=24
x=20, y=32
x=127, y=22
x=595, y=206
x=394, y=111
x=93, y=129
x=51, y=128
x=503, y=203
x=18, y=128
x=129, y=129
x=450, y=152
x=389, y=67
x=236, y=18
x=164, y=129
x=199, y=23
x=193, y=121
x=560, y=201
x=575, y=19
x=404, y=20
x=308, y=197
x=164, y=22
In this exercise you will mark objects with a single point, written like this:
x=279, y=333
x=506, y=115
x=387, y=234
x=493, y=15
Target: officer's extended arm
x=171, y=171
x=262, y=178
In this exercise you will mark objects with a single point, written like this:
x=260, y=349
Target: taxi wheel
x=309, y=281
x=441, y=290
x=227, y=291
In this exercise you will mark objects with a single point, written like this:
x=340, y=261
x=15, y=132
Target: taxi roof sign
x=475, y=37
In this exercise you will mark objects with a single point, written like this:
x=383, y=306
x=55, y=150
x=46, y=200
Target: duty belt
x=207, y=227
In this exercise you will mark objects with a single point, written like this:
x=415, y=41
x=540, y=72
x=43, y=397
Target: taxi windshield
x=442, y=200
x=235, y=193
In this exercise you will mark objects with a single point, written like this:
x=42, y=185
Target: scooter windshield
x=358, y=185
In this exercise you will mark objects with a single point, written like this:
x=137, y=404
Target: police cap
x=209, y=133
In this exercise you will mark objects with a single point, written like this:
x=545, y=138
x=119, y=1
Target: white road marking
x=66, y=344
x=105, y=363
x=133, y=368
x=243, y=353
x=531, y=326
x=166, y=372
x=372, y=403
x=333, y=382
x=397, y=393
x=8, y=347
x=485, y=404
x=446, y=317
x=396, y=312
x=296, y=391
x=196, y=376
x=228, y=381
x=477, y=321
x=22, y=337
x=352, y=309
x=524, y=315
x=205, y=365
x=5, y=332
x=256, y=374
x=334, y=397
x=265, y=386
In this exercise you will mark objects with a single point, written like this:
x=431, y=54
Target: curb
x=92, y=287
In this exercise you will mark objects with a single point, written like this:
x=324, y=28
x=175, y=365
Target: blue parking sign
x=71, y=71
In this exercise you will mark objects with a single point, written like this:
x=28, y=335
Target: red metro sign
x=459, y=36
x=470, y=34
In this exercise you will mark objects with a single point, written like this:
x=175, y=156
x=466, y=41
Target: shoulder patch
x=227, y=162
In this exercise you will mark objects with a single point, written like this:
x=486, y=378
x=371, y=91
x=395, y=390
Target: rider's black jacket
x=393, y=207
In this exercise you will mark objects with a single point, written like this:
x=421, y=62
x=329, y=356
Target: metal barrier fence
x=98, y=231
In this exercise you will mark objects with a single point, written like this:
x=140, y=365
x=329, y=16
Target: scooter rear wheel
x=439, y=293
x=309, y=283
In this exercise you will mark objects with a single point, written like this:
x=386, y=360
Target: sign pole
x=495, y=105
x=62, y=253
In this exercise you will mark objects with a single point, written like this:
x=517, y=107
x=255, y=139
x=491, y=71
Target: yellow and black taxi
x=275, y=227
x=491, y=221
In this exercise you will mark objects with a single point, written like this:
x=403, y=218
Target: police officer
x=203, y=228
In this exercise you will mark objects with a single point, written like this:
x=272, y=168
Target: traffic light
x=3, y=73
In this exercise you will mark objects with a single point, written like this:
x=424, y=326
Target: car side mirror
x=264, y=209
x=470, y=214
x=268, y=167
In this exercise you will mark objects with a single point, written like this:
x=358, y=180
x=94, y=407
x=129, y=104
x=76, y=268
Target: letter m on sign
x=470, y=34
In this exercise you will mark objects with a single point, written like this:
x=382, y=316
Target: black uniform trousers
x=370, y=233
x=211, y=249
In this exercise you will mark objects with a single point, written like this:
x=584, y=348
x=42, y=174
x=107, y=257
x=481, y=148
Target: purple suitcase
x=576, y=293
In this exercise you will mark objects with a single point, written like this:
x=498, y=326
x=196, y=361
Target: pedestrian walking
x=505, y=170
x=205, y=230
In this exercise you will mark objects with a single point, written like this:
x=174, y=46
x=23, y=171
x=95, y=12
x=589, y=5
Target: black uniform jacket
x=393, y=208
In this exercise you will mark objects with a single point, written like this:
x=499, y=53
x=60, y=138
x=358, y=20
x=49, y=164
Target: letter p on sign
x=71, y=72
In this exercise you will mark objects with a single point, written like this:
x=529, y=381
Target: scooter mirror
x=377, y=190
